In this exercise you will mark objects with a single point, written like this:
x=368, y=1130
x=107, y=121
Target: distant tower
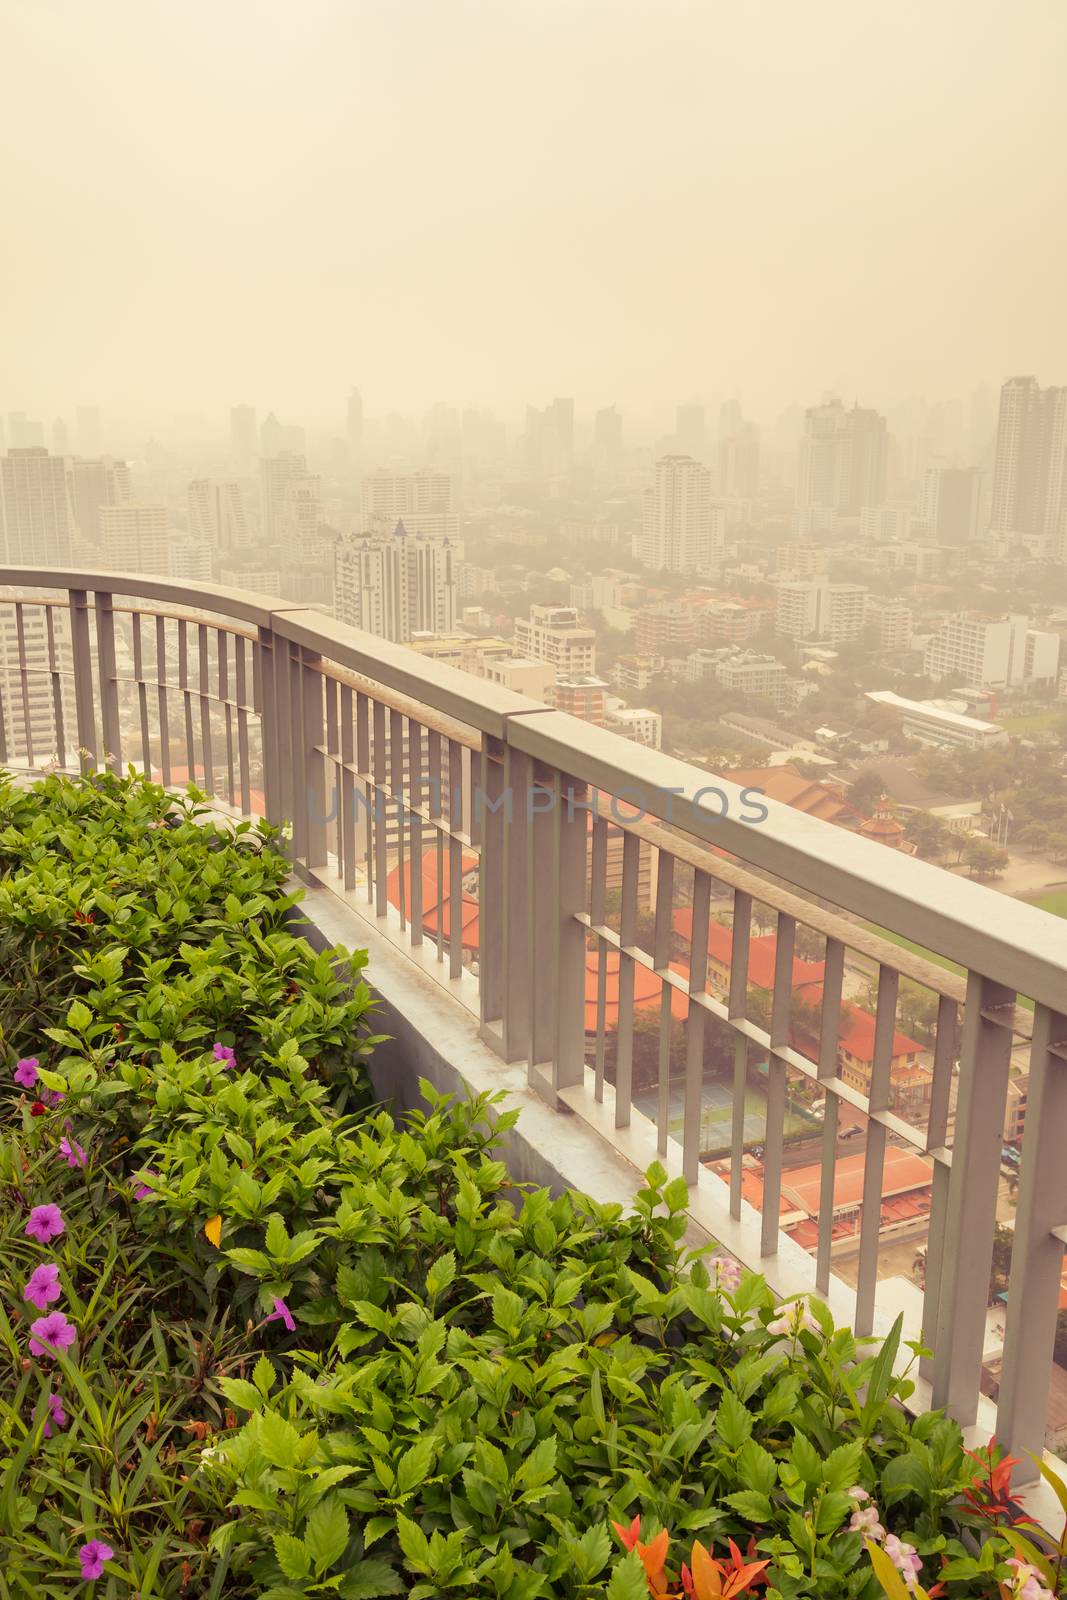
x=88, y=420
x=243, y=437
x=37, y=521
x=676, y=533
x=1029, y=487
x=354, y=426
x=60, y=438
x=690, y=432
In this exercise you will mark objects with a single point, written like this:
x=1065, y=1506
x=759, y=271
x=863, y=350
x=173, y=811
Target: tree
x=928, y=833
x=1034, y=838
x=866, y=792
x=1000, y=1271
x=983, y=859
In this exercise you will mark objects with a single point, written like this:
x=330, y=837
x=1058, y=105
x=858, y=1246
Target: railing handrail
x=969, y=923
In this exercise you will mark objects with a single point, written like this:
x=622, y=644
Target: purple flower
x=223, y=1053
x=92, y=1556
x=143, y=1191
x=51, y=1097
x=72, y=1152
x=26, y=1072
x=46, y=1222
x=281, y=1313
x=42, y=1285
x=56, y=1414
x=51, y=1334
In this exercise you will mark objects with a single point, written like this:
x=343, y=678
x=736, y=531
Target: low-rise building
x=635, y=722
x=635, y=673
x=580, y=696
x=933, y=723
x=891, y=621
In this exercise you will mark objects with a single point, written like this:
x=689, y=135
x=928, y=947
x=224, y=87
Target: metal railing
x=597, y=905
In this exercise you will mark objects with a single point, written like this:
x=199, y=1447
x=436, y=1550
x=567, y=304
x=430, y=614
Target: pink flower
x=92, y=1556
x=51, y=1097
x=51, y=1334
x=858, y=1492
x=42, y=1285
x=143, y=1191
x=1028, y=1585
x=866, y=1521
x=72, y=1152
x=26, y=1072
x=727, y=1272
x=46, y=1222
x=281, y=1313
x=904, y=1558
x=223, y=1053
x=56, y=1414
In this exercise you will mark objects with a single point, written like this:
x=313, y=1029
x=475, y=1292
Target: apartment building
x=890, y=620
x=814, y=608
x=635, y=673
x=992, y=652
x=555, y=635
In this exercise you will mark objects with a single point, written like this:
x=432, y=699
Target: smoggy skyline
x=498, y=202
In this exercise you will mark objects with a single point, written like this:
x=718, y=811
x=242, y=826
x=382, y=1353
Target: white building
x=37, y=515
x=395, y=587
x=1030, y=465
x=745, y=672
x=190, y=559
x=407, y=495
x=948, y=507
x=275, y=471
x=842, y=464
x=891, y=621
x=635, y=673
x=217, y=514
x=814, y=608
x=97, y=481
x=678, y=532
x=885, y=522
x=992, y=652
x=635, y=722
x=933, y=723
x=554, y=634
x=135, y=537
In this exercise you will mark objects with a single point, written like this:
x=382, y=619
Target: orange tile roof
x=762, y=952
x=435, y=908
x=647, y=990
x=855, y=1033
x=786, y=785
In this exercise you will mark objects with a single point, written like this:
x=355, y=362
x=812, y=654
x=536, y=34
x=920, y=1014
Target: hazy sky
x=490, y=201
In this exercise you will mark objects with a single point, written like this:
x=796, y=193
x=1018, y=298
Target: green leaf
x=279, y=1440
x=733, y=1421
x=676, y=1195
x=881, y=1378
x=326, y=1533
x=79, y=1016
x=292, y=1554
x=628, y=1581
x=414, y=1543
x=414, y=1465
x=441, y=1273
x=263, y=1375
x=833, y=1509
x=807, y=1461
x=757, y=1467
x=369, y=1579
x=750, y=1505
x=242, y=1393
x=841, y=1468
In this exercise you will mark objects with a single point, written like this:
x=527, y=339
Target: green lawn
x=918, y=949
x=1036, y=722
x=1055, y=902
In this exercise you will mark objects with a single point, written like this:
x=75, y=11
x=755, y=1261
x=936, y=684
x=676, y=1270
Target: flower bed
x=259, y=1338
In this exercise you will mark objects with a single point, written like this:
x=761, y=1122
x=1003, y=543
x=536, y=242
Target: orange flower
x=721, y=1580
x=627, y=1536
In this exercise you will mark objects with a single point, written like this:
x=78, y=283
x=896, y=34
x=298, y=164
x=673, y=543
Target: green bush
x=288, y=1345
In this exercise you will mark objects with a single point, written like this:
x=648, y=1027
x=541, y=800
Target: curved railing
x=598, y=905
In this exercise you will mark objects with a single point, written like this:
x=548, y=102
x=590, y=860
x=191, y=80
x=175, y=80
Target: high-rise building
x=135, y=537
x=23, y=433
x=217, y=514
x=676, y=530
x=97, y=481
x=1030, y=463
x=814, y=608
x=37, y=517
x=991, y=652
x=300, y=517
x=280, y=438
x=189, y=560
x=406, y=495
x=690, y=432
x=555, y=634
x=550, y=439
x=948, y=505
x=88, y=420
x=607, y=439
x=739, y=462
x=244, y=439
x=275, y=471
x=60, y=438
x=395, y=587
x=354, y=425
x=843, y=458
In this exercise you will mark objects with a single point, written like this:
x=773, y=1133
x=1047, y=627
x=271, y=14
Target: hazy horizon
x=492, y=204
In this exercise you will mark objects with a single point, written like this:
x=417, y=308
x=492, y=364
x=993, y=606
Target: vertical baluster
x=396, y=785
x=936, y=1142
x=492, y=799
x=161, y=692
x=185, y=689
x=378, y=757
x=415, y=800
x=785, y=941
x=569, y=848
x=597, y=915
x=517, y=914
x=222, y=653
x=142, y=692
x=661, y=955
x=455, y=860
x=737, y=1008
x=829, y=1030
x=309, y=736
x=347, y=800
x=24, y=681
x=332, y=768
x=436, y=777
x=57, y=690
x=363, y=767
x=1037, y=1253
x=624, y=1032
x=695, y=1028
x=878, y=1100
x=240, y=690
x=204, y=687
x=974, y=1183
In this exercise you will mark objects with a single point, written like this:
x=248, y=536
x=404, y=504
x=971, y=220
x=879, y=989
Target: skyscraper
x=217, y=514
x=739, y=462
x=37, y=518
x=88, y=420
x=274, y=473
x=396, y=586
x=1030, y=464
x=354, y=426
x=135, y=537
x=550, y=439
x=948, y=506
x=607, y=439
x=100, y=481
x=244, y=439
x=690, y=431
x=843, y=458
x=413, y=496
x=676, y=532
